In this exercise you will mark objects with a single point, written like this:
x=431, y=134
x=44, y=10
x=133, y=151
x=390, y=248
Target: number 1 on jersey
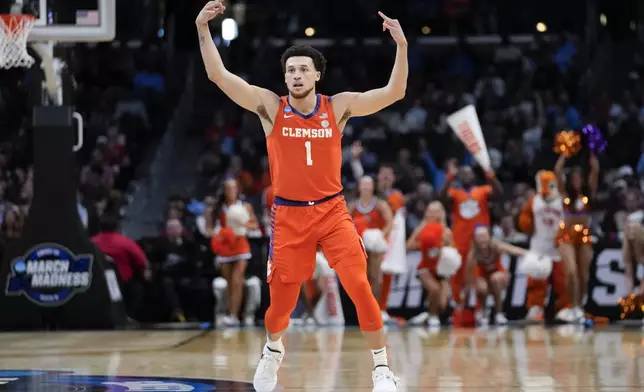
x=309, y=160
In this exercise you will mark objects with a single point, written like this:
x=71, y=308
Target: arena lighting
x=426, y=30
x=541, y=27
x=310, y=31
x=229, y=29
x=603, y=19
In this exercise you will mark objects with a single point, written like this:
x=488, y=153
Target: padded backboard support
x=54, y=277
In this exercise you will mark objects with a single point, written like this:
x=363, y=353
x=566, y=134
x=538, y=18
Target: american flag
x=87, y=18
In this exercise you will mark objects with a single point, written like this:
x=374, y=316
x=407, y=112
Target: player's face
x=386, y=178
x=482, y=237
x=366, y=187
x=231, y=191
x=300, y=76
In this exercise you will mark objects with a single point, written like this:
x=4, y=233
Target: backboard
x=72, y=20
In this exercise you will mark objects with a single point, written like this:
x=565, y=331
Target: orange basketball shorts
x=300, y=227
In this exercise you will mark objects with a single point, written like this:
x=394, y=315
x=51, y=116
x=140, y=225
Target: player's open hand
x=210, y=11
x=394, y=28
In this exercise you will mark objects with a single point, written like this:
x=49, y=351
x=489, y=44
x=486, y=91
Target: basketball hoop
x=14, y=30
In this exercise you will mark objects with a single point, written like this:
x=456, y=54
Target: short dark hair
x=306, y=51
x=109, y=223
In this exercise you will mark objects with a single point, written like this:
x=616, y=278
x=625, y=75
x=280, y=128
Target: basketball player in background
x=386, y=180
x=372, y=217
x=469, y=205
x=540, y=218
x=304, y=140
x=431, y=237
x=573, y=237
x=485, y=273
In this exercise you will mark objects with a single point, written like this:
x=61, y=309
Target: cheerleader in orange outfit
x=232, y=249
x=372, y=217
x=439, y=261
x=484, y=271
x=573, y=238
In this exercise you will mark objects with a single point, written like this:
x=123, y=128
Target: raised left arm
x=352, y=104
x=497, y=187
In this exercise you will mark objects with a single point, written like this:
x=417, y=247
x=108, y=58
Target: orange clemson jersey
x=469, y=210
x=431, y=241
x=305, y=152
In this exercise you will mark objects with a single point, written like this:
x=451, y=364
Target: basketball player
x=303, y=135
x=484, y=272
x=540, y=218
x=469, y=209
x=386, y=180
x=430, y=237
x=373, y=221
x=573, y=237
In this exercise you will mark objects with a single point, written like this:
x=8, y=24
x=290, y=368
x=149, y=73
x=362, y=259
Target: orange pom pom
x=630, y=304
x=567, y=143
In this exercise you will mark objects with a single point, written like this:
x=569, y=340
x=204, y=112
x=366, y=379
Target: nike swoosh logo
x=378, y=352
x=285, y=116
x=311, y=203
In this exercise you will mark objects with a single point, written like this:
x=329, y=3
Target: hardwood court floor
x=531, y=359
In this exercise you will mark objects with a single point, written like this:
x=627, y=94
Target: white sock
x=379, y=357
x=275, y=345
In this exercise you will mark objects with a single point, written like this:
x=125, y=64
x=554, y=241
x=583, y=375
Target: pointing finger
x=383, y=16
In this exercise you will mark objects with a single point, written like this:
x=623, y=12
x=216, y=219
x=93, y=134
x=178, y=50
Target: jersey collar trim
x=306, y=116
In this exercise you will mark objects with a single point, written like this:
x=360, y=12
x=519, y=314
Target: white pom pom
x=449, y=262
x=236, y=218
x=536, y=266
x=374, y=241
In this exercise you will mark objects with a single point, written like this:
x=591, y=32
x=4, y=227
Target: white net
x=14, y=30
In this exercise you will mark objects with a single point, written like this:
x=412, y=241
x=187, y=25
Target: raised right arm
x=255, y=99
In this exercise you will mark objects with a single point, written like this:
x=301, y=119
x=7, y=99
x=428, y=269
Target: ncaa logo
x=325, y=124
x=288, y=109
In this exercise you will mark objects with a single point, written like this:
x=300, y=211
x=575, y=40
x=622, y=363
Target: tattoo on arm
x=202, y=39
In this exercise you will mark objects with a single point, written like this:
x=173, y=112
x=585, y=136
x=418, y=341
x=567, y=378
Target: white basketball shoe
x=384, y=380
x=265, y=379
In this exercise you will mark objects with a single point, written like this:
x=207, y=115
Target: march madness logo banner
x=49, y=275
